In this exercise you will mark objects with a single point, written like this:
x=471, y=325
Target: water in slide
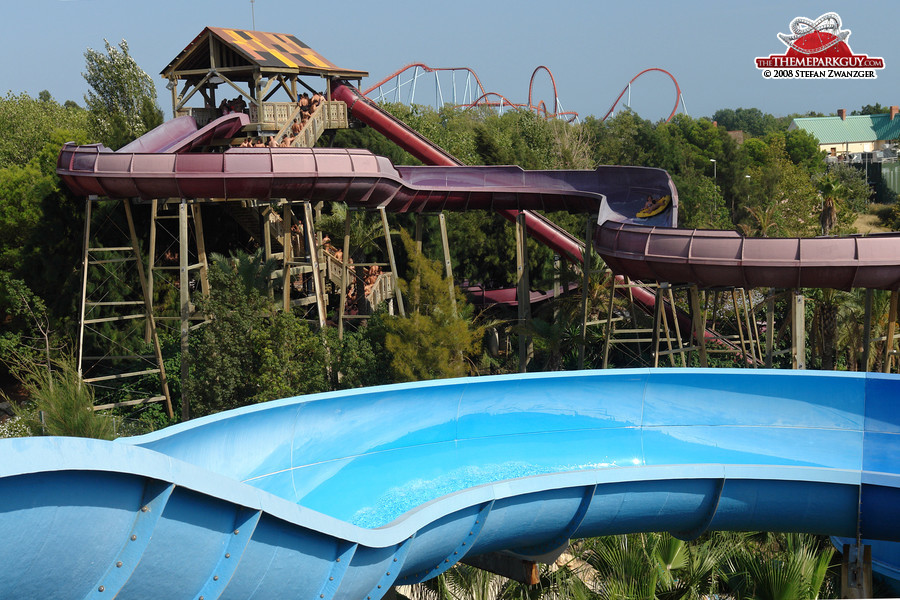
x=343, y=495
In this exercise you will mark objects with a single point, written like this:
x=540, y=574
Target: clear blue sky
x=593, y=47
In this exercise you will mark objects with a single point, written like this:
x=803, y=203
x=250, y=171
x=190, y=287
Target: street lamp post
x=713, y=161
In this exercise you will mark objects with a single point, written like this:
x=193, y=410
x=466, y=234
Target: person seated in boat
x=653, y=206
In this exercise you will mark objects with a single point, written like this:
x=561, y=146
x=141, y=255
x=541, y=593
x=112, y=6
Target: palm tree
x=833, y=191
x=825, y=322
x=253, y=271
x=781, y=567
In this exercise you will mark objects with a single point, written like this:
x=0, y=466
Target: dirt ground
x=869, y=224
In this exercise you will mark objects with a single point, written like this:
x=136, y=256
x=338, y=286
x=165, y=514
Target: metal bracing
x=111, y=310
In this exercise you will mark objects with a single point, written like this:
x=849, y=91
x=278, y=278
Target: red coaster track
x=494, y=99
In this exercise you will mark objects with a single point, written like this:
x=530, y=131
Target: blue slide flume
x=345, y=494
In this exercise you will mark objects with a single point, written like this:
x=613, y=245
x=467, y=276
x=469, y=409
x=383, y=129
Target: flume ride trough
x=344, y=494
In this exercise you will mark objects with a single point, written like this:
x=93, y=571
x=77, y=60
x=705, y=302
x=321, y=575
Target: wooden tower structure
x=255, y=66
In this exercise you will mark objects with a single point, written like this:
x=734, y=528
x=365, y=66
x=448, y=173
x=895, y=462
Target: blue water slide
x=345, y=494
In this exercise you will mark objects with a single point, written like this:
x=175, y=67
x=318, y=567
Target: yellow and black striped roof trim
x=262, y=49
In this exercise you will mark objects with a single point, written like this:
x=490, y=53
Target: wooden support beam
x=309, y=228
x=523, y=294
x=185, y=303
x=698, y=322
x=585, y=286
x=345, y=274
x=770, y=327
x=201, y=248
x=395, y=278
x=609, y=320
x=448, y=264
x=798, y=330
x=148, y=309
x=856, y=571
x=88, y=202
x=891, y=331
x=511, y=567
x=657, y=320
x=867, y=329
x=287, y=256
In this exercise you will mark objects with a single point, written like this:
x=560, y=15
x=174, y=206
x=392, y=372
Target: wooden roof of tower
x=241, y=53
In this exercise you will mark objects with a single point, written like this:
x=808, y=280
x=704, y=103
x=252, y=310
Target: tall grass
x=60, y=403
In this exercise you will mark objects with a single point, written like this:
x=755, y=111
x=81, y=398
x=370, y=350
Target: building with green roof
x=847, y=134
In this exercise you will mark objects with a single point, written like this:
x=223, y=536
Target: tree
x=782, y=198
x=26, y=124
x=869, y=109
x=432, y=341
x=856, y=189
x=803, y=149
x=833, y=192
x=122, y=99
x=749, y=120
x=621, y=140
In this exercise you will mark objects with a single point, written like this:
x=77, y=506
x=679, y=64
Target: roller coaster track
x=383, y=92
x=473, y=85
x=678, y=96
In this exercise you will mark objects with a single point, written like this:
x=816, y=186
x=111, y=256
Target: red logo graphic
x=818, y=49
